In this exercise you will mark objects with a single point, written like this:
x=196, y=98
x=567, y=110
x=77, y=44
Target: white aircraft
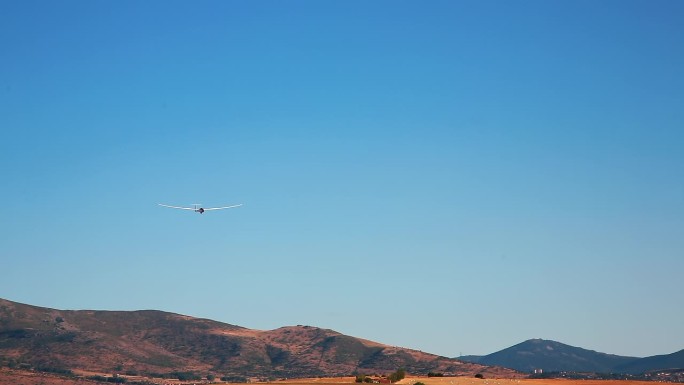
x=199, y=209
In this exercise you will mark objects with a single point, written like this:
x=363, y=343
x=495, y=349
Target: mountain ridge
x=552, y=356
x=153, y=341
x=659, y=362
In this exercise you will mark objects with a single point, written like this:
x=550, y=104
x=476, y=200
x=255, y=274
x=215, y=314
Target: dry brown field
x=19, y=377
x=503, y=381
x=469, y=381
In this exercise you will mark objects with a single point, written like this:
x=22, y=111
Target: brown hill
x=152, y=341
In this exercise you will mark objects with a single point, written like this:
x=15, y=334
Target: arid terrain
x=22, y=377
x=154, y=342
x=508, y=381
x=48, y=346
x=411, y=380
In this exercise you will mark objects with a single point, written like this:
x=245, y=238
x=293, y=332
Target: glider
x=198, y=209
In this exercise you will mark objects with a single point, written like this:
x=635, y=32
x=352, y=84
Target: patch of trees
x=118, y=380
x=14, y=364
x=234, y=379
x=183, y=376
x=398, y=375
x=361, y=378
x=115, y=379
x=431, y=374
x=49, y=369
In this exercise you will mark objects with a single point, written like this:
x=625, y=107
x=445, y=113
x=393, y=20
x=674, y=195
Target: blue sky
x=449, y=176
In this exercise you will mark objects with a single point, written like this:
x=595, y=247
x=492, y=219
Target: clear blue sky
x=449, y=176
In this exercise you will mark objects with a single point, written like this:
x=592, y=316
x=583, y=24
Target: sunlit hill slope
x=152, y=341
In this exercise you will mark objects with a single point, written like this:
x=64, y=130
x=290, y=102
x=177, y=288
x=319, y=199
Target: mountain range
x=156, y=342
x=551, y=356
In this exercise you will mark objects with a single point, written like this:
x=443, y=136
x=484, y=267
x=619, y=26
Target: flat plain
x=469, y=381
x=23, y=377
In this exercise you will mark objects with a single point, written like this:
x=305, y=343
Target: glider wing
x=176, y=207
x=221, y=208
